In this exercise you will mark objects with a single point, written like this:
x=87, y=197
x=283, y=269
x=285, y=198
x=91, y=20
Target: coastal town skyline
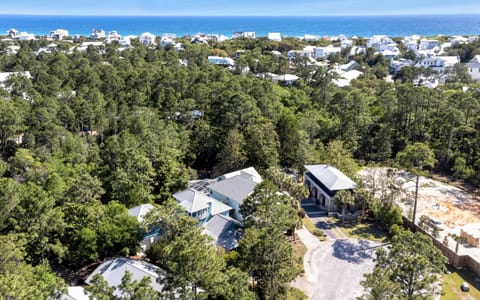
x=244, y=8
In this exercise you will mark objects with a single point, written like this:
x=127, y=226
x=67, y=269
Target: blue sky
x=239, y=8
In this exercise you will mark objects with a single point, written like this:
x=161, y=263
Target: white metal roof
x=140, y=211
x=225, y=231
x=192, y=200
x=114, y=269
x=236, y=188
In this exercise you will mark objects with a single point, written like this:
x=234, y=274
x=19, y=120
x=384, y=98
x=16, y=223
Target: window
x=202, y=214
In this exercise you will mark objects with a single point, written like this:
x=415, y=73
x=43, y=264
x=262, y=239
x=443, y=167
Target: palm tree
x=343, y=199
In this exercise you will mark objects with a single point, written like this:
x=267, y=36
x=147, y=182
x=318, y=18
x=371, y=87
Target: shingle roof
x=192, y=200
x=140, y=211
x=236, y=188
x=331, y=177
x=114, y=269
x=225, y=231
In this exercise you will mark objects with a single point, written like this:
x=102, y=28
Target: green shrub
x=394, y=229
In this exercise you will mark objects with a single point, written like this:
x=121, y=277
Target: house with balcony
x=243, y=35
x=325, y=52
x=323, y=182
x=439, y=63
x=113, y=36
x=165, y=41
x=97, y=34
x=13, y=33
x=147, y=38
x=58, y=34
x=411, y=42
x=201, y=206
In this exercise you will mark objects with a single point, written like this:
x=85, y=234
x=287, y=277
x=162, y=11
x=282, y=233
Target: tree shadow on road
x=352, y=252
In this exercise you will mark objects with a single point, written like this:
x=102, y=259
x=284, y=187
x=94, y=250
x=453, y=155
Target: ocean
x=365, y=26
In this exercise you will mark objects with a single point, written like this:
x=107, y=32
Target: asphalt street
x=333, y=268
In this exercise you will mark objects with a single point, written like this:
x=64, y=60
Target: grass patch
x=313, y=229
x=365, y=231
x=299, y=251
x=451, y=285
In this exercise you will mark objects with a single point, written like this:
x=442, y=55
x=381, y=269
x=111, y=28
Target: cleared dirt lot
x=448, y=204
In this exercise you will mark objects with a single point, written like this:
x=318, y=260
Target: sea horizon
x=291, y=26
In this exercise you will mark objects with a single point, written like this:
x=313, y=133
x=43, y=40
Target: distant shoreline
x=291, y=26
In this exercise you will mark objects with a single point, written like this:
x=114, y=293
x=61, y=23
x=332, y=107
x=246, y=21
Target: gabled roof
x=140, y=211
x=249, y=173
x=331, y=177
x=114, y=269
x=219, y=207
x=475, y=62
x=236, y=188
x=192, y=200
x=225, y=231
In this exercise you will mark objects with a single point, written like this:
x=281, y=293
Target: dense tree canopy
x=409, y=270
x=93, y=133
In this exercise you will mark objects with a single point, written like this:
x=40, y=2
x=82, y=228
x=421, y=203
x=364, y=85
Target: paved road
x=319, y=219
x=334, y=269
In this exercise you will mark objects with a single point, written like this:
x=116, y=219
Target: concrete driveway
x=319, y=219
x=334, y=268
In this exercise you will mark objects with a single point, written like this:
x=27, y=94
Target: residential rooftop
x=331, y=177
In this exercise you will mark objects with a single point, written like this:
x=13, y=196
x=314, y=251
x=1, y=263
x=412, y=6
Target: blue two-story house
x=200, y=206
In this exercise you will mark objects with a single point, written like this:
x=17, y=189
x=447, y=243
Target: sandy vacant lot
x=450, y=205
x=442, y=202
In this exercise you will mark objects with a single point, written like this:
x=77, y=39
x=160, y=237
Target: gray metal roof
x=140, y=211
x=236, y=188
x=114, y=269
x=474, y=63
x=192, y=200
x=331, y=177
x=225, y=231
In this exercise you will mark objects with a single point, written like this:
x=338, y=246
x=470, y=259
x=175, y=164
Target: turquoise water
x=288, y=26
